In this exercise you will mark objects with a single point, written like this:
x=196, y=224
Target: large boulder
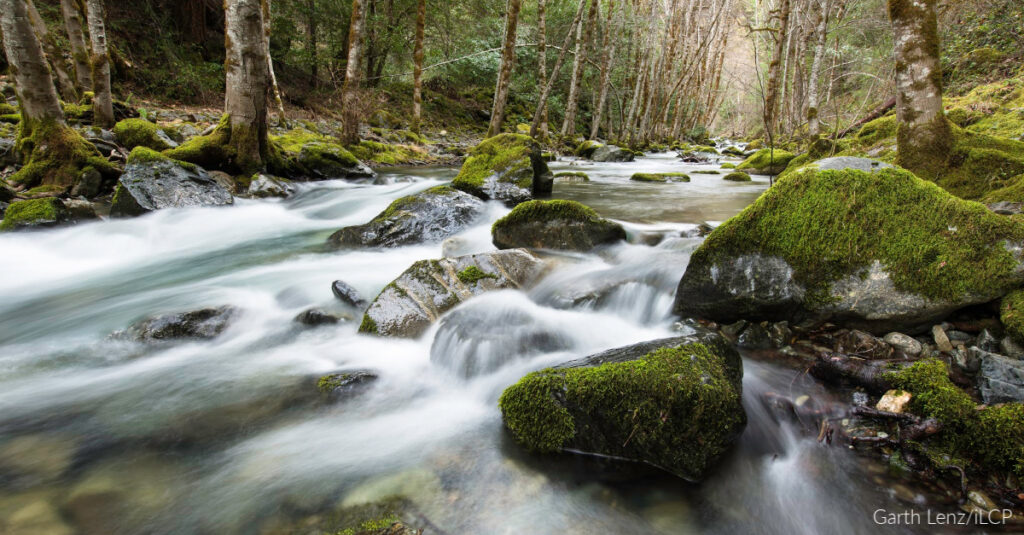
x=428, y=216
x=674, y=404
x=203, y=324
x=611, y=153
x=141, y=133
x=409, y=304
x=557, y=224
x=767, y=162
x=34, y=214
x=320, y=157
x=152, y=181
x=879, y=251
x=507, y=168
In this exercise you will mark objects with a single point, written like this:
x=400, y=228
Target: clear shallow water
x=230, y=436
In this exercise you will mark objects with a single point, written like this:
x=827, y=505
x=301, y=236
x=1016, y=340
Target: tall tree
x=274, y=88
x=546, y=91
x=74, y=25
x=824, y=8
x=53, y=53
x=775, y=72
x=350, y=96
x=102, y=103
x=312, y=47
x=417, y=70
x=924, y=138
x=578, y=65
x=508, y=59
x=542, y=62
x=608, y=43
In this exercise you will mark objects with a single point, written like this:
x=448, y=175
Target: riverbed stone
x=612, y=153
x=428, y=216
x=34, y=214
x=877, y=251
x=558, y=224
x=904, y=343
x=347, y=294
x=507, y=168
x=203, y=324
x=152, y=181
x=674, y=404
x=265, y=186
x=1000, y=379
x=316, y=317
x=429, y=288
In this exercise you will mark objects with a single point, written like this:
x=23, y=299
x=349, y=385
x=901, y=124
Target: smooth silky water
x=231, y=436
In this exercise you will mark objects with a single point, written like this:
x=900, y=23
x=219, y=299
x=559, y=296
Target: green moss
x=368, y=325
x=587, y=148
x=329, y=382
x=55, y=154
x=768, y=161
x=472, y=274
x=704, y=148
x=832, y=224
x=728, y=165
x=31, y=212
x=547, y=211
x=383, y=154
x=738, y=176
x=7, y=109
x=43, y=191
x=573, y=174
x=77, y=112
x=211, y=151
x=979, y=164
x=1011, y=313
x=1012, y=191
x=874, y=132
x=10, y=118
x=998, y=438
x=139, y=133
x=505, y=154
x=934, y=395
x=144, y=155
x=706, y=172
x=660, y=177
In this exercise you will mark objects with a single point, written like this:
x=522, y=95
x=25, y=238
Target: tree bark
x=73, y=23
x=311, y=44
x=508, y=59
x=350, y=97
x=542, y=61
x=32, y=83
x=274, y=88
x=924, y=138
x=53, y=54
x=102, y=103
x=608, y=52
x=247, y=80
x=546, y=92
x=821, y=40
x=771, y=97
x=417, y=70
x=578, y=65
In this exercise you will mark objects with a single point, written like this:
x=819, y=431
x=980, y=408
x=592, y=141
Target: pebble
x=894, y=401
x=941, y=340
x=904, y=343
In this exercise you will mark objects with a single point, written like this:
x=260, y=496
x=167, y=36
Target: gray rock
x=347, y=294
x=941, y=340
x=162, y=136
x=203, y=324
x=1000, y=379
x=754, y=337
x=906, y=344
x=1011, y=348
x=1005, y=207
x=611, y=153
x=429, y=288
x=780, y=333
x=425, y=217
x=344, y=385
x=316, y=317
x=33, y=214
x=264, y=186
x=987, y=342
x=508, y=168
x=89, y=185
x=80, y=210
x=152, y=185
x=969, y=359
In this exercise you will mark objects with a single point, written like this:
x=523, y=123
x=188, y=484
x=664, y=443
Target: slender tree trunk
x=32, y=82
x=53, y=54
x=274, y=88
x=924, y=139
x=821, y=40
x=542, y=61
x=102, y=103
x=508, y=59
x=312, y=45
x=417, y=70
x=248, y=83
x=608, y=52
x=543, y=100
x=73, y=23
x=579, y=64
x=350, y=98
x=771, y=97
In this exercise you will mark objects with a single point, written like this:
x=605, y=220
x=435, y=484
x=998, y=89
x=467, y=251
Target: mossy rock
x=707, y=149
x=672, y=404
x=706, y=172
x=728, y=165
x=141, y=133
x=558, y=224
x=320, y=157
x=587, y=148
x=767, y=162
x=756, y=144
x=34, y=213
x=572, y=176
x=737, y=176
x=660, y=177
x=881, y=251
x=979, y=164
x=153, y=181
x=507, y=168
x=1011, y=312
x=388, y=154
x=877, y=131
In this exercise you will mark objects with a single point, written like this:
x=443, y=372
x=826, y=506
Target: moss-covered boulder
x=429, y=288
x=507, y=168
x=737, y=176
x=428, y=216
x=265, y=186
x=152, y=181
x=34, y=213
x=558, y=224
x=673, y=404
x=612, y=153
x=766, y=162
x=660, y=177
x=569, y=177
x=881, y=251
x=587, y=148
x=141, y=133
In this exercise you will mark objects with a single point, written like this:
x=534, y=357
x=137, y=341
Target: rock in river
x=152, y=181
x=507, y=168
x=879, y=251
x=201, y=324
x=566, y=225
x=409, y=304
x=673, y=404
x=429, y=216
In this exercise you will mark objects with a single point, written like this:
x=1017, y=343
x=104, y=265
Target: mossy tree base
x=54, y=154
x=220, y=150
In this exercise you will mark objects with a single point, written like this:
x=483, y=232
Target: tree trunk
x=417, y=70
x=248, y=83
x=350, y=97
x=546, y=92
x=36, y=94
x=508, y=59
x=821, y=40
x=579, y=64
x=53, y=54
x=76, y=37
x=924, y=139
x=608, y=52
x=275, y=89
x=311, y=44
x=102, y=103
x=542, y=61
x=771, y=97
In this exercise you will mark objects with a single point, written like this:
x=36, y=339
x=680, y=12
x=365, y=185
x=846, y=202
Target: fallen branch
x=878, y=112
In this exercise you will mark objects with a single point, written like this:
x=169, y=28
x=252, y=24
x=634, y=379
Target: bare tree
x=275, y=89
x=53, y=53
x=542, y=62
x=103, y=102
x=824, y=8
x=73, y=23
x=417, y=58
x=579, y=63
x=508, y=59
x=608, y=44
x=775, y=70
x=350, y=98
x=546, y=91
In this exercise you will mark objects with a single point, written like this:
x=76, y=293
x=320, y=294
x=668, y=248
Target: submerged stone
x=347, y=294
x=558, y=224
x=264, y=186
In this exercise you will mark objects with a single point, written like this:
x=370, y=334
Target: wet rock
x=316, y=317
x=34, y=214
x=1009, y=347
x=152, y=181
x=766, y=263
x=38, y=517
x=674, y=404
x=941, y=340
x=37, y=459
x=80, y=210
x=90, y=184
x=325, y=161
x=969, y=359
x=987, y=342
x=754, y=337
x=563, y=225
x=1000, y=379
x=348, y=295
x=429, y=216
x=409, y=304
x=906, y=344
x=507, y=168
x=264, y=186
x=344, y=385
x=863, y=345
x=7, y=154
x=894, y=401
x=1005, y=207
x=203, y=324
x=611, y=153
x=700, y=231
x=780, y=333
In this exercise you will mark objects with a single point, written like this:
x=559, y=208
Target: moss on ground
x=54, y=154
x=505, y=154
x=704, y=148
x=768, y=161
x=737, y=176
x=32, y=212
x=832, y=224
x=139, y=133
x=660, y=177
x=385, y=154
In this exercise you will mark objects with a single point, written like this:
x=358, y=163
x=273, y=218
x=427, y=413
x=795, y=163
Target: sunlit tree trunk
x=53, y=53
x=102, y=103
x=417, y=70
x=771, y=97
x=32, y=82
x=508, y=59
x=578, y=65
x=546, y=92
x=924, y=138
x=350, y=97
x=73, y=23
x=247, y=82
x=607, y=59
x=542, y=61
x=821, y=40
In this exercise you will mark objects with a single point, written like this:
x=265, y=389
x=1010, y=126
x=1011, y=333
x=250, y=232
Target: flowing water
x=99, y=435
